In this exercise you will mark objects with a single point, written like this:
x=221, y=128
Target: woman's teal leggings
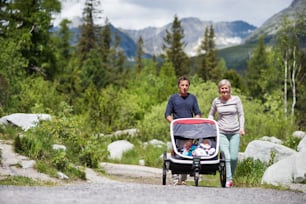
x=229, y=144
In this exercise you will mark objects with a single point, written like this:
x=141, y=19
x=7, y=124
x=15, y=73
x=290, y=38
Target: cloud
x=137, y=14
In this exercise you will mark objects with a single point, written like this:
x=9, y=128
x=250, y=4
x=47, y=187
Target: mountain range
x=272, y=25
x=227, y=34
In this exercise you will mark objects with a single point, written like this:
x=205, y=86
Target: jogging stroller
x=195, y=143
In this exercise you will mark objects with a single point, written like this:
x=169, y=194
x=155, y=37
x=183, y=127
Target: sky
x=139, y=14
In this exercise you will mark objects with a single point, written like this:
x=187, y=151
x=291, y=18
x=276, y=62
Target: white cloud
x=137, y=14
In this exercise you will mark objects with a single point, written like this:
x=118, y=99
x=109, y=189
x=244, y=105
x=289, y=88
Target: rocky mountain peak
x=227, y=34
x=272, y=25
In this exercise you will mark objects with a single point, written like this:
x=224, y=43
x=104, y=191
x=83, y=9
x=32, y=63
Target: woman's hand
x=242, y=133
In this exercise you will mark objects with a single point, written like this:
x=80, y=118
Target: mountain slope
x=236, y=57
x=227, y=34
x=272, y=25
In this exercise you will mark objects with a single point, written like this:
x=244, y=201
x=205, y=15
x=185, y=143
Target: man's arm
x=169, y=110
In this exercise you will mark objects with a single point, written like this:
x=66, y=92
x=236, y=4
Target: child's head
x=206, y=143
x=188, y=144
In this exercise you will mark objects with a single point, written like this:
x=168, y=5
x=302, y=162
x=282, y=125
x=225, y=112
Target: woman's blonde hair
x=225, y=82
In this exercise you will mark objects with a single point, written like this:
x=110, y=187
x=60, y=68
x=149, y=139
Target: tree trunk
x=285, y=85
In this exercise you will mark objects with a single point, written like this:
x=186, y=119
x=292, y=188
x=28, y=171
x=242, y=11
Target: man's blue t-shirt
x=182, y=107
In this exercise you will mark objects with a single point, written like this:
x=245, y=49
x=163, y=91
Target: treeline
x=100, y=90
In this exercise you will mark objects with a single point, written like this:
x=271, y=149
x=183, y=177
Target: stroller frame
x=195, y=129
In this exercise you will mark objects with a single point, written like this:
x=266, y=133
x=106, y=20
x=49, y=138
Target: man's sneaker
x=229, y=184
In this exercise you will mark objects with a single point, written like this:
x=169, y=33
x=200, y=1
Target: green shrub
x=249, y=172
x=94, y=151
x=149, y=153
x=45, y=167
x=82, y=147
x=292, y=142
x=75, y=172
x=154, y=125
x=59, y=160
x=33, y=146
x=153, y=156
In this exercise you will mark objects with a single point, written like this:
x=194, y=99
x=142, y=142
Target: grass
x=24, y=181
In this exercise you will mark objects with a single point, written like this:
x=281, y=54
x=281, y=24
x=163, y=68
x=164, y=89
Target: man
x=182, y=105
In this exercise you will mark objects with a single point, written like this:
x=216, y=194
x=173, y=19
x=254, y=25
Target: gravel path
x=112, y=192
x=128, y=184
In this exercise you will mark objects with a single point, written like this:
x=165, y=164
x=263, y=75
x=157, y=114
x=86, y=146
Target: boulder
x=271, y=139
x=289, y=166
x=302, y=145
x=262, y=150
x=24, y=120
x=299, y=134
x=117, y=148
x=299, y=168
x=280, y=173
x=155, y=143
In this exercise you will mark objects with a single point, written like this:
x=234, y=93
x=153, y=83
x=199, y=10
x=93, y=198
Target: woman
x=231, y=126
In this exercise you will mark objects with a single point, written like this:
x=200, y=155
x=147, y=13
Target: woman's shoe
x=229, y=184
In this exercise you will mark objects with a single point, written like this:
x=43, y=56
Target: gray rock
x=280, y=173
x=131, y=132
x=27, y=164
x=299, y=169
x=271, y=139
x=263, y=150
x=62, y=176
x=155, y=142
x=299, y=134
x=24, y=120
x=117, y=148
x=59, y=147
x=302, y=145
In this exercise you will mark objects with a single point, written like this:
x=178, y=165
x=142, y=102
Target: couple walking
x=230, y=120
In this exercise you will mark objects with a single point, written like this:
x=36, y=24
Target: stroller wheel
x=164, y=168
x=222, y=169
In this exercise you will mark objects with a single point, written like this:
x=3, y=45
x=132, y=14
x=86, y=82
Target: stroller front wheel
x=164, y=168
x=222, y=169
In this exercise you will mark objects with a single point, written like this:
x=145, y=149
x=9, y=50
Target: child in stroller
x=201, y=147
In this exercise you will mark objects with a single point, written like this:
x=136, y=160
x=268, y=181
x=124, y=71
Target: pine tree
x=106, y=40
x=140, y=52
x=88, y=37
x=173, y=47
x=259, y=70
x=207, y=53
x=203, y=69
x=29, y=23
x=167, y=81
x=62, y=40
x=212, y=54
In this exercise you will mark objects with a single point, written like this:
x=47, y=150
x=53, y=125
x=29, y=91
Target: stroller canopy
x=194, y=128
